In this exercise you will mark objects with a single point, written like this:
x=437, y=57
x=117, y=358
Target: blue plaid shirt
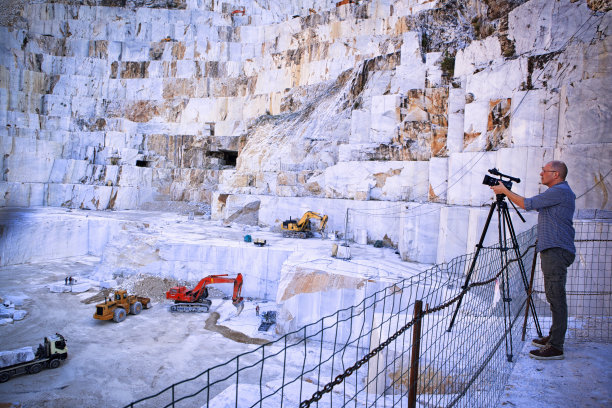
x=555, y=209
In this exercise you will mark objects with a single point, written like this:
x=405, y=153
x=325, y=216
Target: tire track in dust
x=211, y=324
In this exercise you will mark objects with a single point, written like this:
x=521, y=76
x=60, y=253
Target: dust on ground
x=211, y=324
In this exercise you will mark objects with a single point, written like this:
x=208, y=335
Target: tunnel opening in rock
x=224, y=157
x=229, y=157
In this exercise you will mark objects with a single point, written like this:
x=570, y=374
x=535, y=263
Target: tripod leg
x=505, y=286
x=473, y=264
x=529, y=292
x=526, y=284
x=505, y=289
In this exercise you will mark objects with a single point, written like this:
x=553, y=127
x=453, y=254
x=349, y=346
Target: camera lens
x=489, y=181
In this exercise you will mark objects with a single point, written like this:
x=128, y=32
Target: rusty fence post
x=416, y=350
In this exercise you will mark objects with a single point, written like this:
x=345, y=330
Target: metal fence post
x=416, y=350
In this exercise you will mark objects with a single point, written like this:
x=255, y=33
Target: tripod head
x=492, y=181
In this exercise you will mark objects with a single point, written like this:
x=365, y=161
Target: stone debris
x=6, y=312
x=152, y=287
x=74, y=288
x=108, y=284
x=59, y=288
x=19, y=314
x=14, y=299
x=9, y=313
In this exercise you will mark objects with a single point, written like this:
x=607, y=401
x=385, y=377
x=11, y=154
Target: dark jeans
x=555, y=262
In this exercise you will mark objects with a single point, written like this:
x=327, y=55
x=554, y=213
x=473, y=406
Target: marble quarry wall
x=386, y=112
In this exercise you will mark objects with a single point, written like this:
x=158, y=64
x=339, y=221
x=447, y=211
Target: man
x=555, y=244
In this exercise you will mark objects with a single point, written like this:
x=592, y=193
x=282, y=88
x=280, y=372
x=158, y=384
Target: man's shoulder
x=559, y=193
x=563, y=184
x=561, y=187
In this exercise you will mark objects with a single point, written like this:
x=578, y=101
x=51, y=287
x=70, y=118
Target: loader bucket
x=239, y=306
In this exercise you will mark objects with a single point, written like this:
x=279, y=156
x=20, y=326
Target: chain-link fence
x=396, y=348
x=588, y=287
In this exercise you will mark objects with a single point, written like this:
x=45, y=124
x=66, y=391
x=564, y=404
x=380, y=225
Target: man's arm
x=515, y=198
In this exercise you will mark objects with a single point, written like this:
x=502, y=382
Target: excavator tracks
x=191, y=307
x=297, y=234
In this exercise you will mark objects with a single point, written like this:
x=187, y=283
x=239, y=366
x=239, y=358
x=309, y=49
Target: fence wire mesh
x=588, y=287
x=360, y=356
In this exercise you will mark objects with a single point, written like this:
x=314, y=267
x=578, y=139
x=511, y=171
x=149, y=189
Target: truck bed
x=13, y=357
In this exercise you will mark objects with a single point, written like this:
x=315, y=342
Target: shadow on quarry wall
x=211, y=324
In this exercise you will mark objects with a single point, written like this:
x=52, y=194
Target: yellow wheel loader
x=120, y=305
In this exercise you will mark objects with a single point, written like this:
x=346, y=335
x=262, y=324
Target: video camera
x=492, y=181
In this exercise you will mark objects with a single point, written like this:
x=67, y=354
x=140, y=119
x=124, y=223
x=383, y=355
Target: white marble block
x=12, y=357
x=384, y=118
x=419, y=229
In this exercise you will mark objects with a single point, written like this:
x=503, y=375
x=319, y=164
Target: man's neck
x=554, y=183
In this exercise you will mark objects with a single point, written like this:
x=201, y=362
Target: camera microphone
x=496, y=172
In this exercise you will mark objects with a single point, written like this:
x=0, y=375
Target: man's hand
x=515, y=198
x=500, y=189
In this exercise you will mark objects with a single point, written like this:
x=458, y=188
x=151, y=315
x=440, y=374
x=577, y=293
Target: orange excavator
x=195, y=300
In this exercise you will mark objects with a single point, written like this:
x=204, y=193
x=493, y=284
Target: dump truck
x=195, y=300
x=302, y=228
x=48, y=355
x=120, y=305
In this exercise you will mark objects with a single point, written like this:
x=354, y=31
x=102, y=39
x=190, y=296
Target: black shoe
x=541, y=342
x=547, y=353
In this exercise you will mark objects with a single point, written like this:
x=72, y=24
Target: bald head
x=559, y=166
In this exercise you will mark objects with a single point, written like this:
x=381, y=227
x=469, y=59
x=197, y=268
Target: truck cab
x=120, y=294
x=54, y=347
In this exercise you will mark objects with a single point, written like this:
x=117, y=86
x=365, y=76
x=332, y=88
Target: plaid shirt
x=555, y=209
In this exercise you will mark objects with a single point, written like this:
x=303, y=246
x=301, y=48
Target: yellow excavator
x=302, y=228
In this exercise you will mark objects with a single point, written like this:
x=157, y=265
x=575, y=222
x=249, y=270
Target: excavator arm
x=237, y=300
x=301, y=228
x=310, y=214
x=200, y=288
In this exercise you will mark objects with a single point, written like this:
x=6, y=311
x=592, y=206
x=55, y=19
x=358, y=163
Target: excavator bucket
x=239, y=306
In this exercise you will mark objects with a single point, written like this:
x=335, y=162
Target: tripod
x=504, y=226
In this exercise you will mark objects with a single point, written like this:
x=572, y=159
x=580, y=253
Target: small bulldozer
x=120, y=305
